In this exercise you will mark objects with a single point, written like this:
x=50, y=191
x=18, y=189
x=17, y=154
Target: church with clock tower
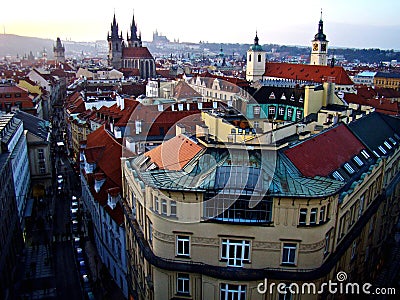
x=319, y=51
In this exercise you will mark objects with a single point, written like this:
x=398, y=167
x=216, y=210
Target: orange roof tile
x=175, y=153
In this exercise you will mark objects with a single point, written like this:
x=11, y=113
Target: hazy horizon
x=347, y=24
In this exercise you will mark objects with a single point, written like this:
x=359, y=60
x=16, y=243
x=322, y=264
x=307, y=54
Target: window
x=232, y=291
x=150, y=238
x=256, y=110
x=365, y=154
x=348, y=168
x=361, y=208
x=289, y=253
x=173, y=208
x=183, y=283
x=382, y=149
x=289, y=113
x=299, y=114
x=249, y=57
x=358, y=161
x=42, y=167
x=313, y=216
x=271, y=110
x=164, y=207
x=41, y=153
x=322, y=214
x=303, y=216
x=156, y=204
x=337, y=176
x=259, y=58
x=387, y=145
x=235, y=252
x=281, y=110
x=353, y=213
x=285, y=293
x=353, y=250
x=182, y=245
x=392, y=141
x=327, y=240
x=256, y=125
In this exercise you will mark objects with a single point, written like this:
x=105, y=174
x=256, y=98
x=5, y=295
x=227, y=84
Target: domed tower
x=319, y=51
x=115, y=45
x=59, y=52
x=256, y=58
x=134, y=40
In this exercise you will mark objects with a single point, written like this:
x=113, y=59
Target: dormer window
x=348, y=168
x=113, y=199
x=337, y=176
x=365, y=154
x=387, y=145
x=358, y=161
x=392, y=141
x=382, y=149
x=98, y=182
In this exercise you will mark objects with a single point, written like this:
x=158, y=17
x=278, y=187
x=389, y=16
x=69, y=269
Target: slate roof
x=263, y=95
x=375, y=129
x=34, y=125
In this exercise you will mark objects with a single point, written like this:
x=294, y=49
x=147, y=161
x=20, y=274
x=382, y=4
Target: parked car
x=86, y=283
x=77, y=242
x=74, y=213
x=75, y=226
x=79, y=254
x=82, y=268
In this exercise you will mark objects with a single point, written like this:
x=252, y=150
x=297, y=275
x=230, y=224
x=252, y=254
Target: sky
x=347, y=23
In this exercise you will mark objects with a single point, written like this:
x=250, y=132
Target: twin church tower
x=131, y=57
x=256, y=56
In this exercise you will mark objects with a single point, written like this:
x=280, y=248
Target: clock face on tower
x=315, y=47
x=323, y=47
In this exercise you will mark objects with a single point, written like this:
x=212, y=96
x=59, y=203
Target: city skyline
x=359, y=24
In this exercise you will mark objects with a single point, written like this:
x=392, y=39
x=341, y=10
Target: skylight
x=392, y=141
x=387, y=145
x=382, y=149
x=349, y=168
x=358, y=161
x=337, y=176
x=376, y=154
x=365, y=154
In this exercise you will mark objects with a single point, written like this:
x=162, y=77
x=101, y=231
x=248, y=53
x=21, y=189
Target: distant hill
x=11, y=44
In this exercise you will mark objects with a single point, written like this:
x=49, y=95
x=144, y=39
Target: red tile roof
x=184, y=91
x=107, y=154
x=136, y=52
x=326, y=152
x=312, y=73
x=175, y=153
x=382, y=105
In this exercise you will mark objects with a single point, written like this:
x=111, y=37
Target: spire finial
x=321, y=15
x=256, y=39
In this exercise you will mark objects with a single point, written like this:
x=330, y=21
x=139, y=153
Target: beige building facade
x=194, y=233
